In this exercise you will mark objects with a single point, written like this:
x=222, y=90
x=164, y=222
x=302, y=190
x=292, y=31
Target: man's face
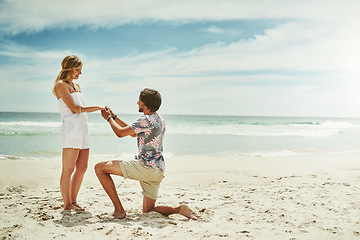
x=142, y=106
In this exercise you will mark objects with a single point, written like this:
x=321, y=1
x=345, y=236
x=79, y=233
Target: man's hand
x=105, y=113
x=111, y=112
x=120, y=128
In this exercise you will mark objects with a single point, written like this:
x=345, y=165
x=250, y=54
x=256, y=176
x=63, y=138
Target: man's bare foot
x=118, y=215
x=76, y=207
x=187, y=212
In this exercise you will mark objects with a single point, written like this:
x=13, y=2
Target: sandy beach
x=296, y=197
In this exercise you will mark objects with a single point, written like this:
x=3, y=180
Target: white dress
x=74, y=132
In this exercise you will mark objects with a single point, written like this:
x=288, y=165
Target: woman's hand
x=102, y=107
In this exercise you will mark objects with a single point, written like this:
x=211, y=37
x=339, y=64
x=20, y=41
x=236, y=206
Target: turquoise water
x=36, y=135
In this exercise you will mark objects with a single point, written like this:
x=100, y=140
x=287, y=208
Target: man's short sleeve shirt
x=150, y=130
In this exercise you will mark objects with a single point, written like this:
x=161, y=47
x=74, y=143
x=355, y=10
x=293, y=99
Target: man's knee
x=146, y=210
x=148, y=204
x=99, y=168
x=109, y=167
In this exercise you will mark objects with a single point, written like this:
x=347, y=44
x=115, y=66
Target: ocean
x=36, y=135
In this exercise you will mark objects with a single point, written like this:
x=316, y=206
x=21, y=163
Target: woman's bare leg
x=78, y=176
x=69, y=158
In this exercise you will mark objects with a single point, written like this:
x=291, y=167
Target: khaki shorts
x=149, y=178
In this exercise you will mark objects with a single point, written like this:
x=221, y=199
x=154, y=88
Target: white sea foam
x=32, y=134
x=315, y=130
x=283, y=153
x=30, y=124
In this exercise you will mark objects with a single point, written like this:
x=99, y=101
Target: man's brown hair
x=151, y=98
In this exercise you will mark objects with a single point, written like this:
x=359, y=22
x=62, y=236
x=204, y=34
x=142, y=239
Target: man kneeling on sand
x=148, y=168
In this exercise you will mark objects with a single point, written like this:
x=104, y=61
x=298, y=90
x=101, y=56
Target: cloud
x=218, y=30
x=291, y=47
x=214, y=29
x=308, y=59
x=288, y=49
x=27, y=16
x=11, y=49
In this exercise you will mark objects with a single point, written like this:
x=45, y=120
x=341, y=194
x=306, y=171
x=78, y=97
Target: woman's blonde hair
x=68, y=64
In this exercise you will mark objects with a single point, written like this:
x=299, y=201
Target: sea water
x=34, y=135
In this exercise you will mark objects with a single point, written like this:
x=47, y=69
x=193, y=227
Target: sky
x=206, y=57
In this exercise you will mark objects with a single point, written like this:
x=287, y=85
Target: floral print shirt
x=150, y=130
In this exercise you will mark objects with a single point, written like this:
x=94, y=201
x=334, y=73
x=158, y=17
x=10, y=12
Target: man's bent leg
x=103, y=171
x=149, y=205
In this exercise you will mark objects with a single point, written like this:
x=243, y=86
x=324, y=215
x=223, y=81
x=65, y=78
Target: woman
x=74, y=134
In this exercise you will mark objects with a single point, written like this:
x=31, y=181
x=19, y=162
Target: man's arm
x=124, y=125
x=121, y=131
x=120, y=128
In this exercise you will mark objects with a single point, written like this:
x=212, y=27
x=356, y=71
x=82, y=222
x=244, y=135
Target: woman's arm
x=63, y=91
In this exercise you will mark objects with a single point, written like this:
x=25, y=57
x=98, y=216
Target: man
x=148, y=168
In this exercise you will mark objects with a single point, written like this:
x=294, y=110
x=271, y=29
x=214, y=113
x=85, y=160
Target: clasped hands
x=106, y=113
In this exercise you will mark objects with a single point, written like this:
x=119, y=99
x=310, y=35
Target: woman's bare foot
x=76, y=207
x=187, y=212
x=68, y=207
